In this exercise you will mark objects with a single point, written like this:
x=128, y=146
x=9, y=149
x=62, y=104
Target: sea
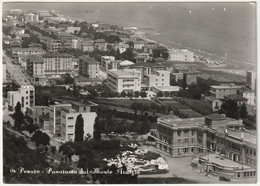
x=221, y=29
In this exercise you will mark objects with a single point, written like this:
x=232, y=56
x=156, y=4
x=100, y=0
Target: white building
x=31, y=17
x=181, y=55
x=251, y=79
x=69, y=117
x=72, y=29
x=128, y=80
x=105, y=61
x=25, y=95
x=220, y=91
x=74, y=43
x=158, y=78
x=250, y=96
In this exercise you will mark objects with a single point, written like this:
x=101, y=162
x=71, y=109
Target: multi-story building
x=69, y=117
x=214, y=103
x=209, y=137
x=147, y=68
x=251, y=79
x=72, y=29
x=181, y=55
x=31, y=17
x=35, y=112
x=127, y=80
x=88, y=67
x=142, y=57
x=35, y=65
x=240, y=100
x=57, y=63
x=100, y=44
x=44, y=122
x=158, y=78
x=219, y=91
x=74, y=43
x=55, y=117
x=105, y=61
x=54, y=45
x=27, y=51
x=250, y=96
x=139, y=45
x=191, y=77
x=25, y=95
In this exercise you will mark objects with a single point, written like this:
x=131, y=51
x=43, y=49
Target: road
x=15, y=72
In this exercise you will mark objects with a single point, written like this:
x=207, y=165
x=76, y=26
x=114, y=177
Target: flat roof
x=147, y=65
x=88, y=59
x=224, y=86
x=57, y=54
x=167, y=88
x=235, y=97
x=224, y=162
x=122, y=73
x=35, y=58
x=178, y=122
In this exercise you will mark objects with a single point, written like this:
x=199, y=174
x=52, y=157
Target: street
x=15, y=71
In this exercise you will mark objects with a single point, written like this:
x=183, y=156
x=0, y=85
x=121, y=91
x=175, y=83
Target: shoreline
x=226, y=63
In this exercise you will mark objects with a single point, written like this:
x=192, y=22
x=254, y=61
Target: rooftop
x=35, y=58
x=168, y=88
x=57, y=55
x=225, y=87
x=88, y=59
x=122, y=73
x=224, y=162
x=83, y=104
x=126, y=63
x=28, y=49
x=235, y=97
x=147, y=65
x=182, y=122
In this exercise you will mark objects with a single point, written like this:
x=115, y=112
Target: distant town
x=99, y=103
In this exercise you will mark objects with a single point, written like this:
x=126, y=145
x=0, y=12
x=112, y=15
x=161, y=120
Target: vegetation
x=40, y=138
x=18, y=117
x=79, y=129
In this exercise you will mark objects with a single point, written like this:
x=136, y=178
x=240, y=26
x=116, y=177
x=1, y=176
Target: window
x=70, y=126
x=238, y=174
x=179, y=141
x=71, y=134
x=70, y=117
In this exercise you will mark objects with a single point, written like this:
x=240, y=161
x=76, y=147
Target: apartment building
x=106, y=61
x=181, y=55
x=57, y=63
x=69, y=117
x=250, y=96
x=35, y=112
x=220, y=91
x=54, y=45
x=147, y=68
x=35, y=65
x=141, y=57
x=27, y=51
x=213, y=136
x=25, y=95
x=31, y=17
x=128, y=80
x=88, y=67
x=158, y=78
x=55, y=117
x=191, y=77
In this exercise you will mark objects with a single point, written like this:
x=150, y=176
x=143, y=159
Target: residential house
x=240, y=100
x=105, y=61
x=220, y=91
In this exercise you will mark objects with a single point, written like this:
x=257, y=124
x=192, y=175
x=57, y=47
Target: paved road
x=6, y=117
x=15, y=72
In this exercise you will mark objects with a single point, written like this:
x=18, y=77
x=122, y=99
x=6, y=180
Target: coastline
x=227, y=64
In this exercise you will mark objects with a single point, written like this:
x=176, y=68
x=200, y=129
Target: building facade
x=220, y=91
x=88, y=67
x=105, y=61
x=57, y=63
x=181, y=55
x=127, y=80
x=158, y=78
x=25, y=95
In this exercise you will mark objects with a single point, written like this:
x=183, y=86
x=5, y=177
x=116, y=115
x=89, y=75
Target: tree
x=143, y=94
x=40, y=138
x=230, y=108
x=31, y=128
x=79, y=129
x=67, y=150
x=97, y=129
x=53, y=149
x=136, y=94
x=75, y=91
x=123, y=94
x=68, y=79
x=243, y=111
x=160, y=94
x=18, y=117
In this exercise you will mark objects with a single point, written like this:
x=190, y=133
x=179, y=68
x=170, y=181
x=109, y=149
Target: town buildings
x=54, y=45
x=127, y=80
x=25, y=95
x=35, y=66
x=27, y=51
x=88, y=67
x=31, y=17
x=35, y=112
x=158, y=78
x=250, y=96
x=57, y=63
x=181, y=55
